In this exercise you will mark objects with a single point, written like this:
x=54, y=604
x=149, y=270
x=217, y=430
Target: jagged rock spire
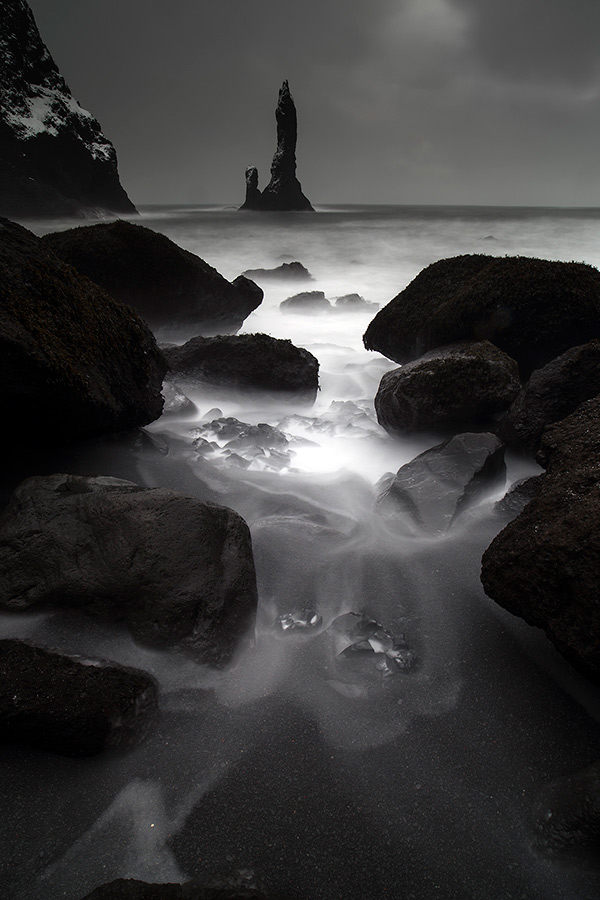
x=284, y=191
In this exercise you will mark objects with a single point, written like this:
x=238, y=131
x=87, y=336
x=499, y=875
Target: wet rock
x=167, y=285
x=247, y=362
x=71, y=705
x=544, y=565
x=533, y=309
x=299, y=621
x=462, y=385
x=284, y=191
x=552, y=393
x=354, y=303
x=227, y=441
x=131, y=889
x=73, y=361
x=566, y=818
x=176, y=403
x=434, y=488
x=293, y=271
x=521, y=493
x=357, y=637
x=306, y=302
x=176, y=570
x=54, y=158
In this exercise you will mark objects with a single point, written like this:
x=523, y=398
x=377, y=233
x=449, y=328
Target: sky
x=398, y=101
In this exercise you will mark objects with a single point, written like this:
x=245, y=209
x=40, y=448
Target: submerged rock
x=533, y=309
x=292, y=271
x=246, y=362
x=566, y=818
x=306, y=302
x=434, y=488
x=284, y=191
x=166, y=284
x=544, y=565
x=54, y=158
x=460, y=385
x=354, y=303
x=300, y=621
x=73, y=361
x=552, y=393
x=358, y=637
x=176, y=570
x=71, y=705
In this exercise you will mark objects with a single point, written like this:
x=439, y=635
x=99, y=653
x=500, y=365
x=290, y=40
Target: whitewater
x=322, y=776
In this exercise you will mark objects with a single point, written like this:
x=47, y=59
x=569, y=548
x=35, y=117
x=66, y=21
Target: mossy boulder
x=458, y=386
x=533, y=309
x=544, y=565
x=165, y=284
x=73, y=361
x=71, y=705
x=552, y=393
x=246, y=362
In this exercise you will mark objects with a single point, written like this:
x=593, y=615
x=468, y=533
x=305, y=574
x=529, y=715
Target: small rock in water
x=298, y=621
x=356, y=636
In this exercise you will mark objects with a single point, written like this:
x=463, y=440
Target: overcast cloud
x=399, y=101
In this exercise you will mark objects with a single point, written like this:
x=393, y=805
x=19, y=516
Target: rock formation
x=54, y=159
x=284, y=191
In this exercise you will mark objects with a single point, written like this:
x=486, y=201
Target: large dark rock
x=54, y=159
x=246, y=362
x=73, y=361
x=71, y=705
x=544, y=565
x=566, y=818
x=293, y=271
x=551, y=394
x=533, y=309
x=284, y=191
x=461, y=385
x=434, y=488
x=164, y=283
x=176, y=570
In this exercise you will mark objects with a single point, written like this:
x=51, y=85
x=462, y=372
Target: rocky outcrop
x=434, y=488
x=552, y=393
x=176, y=570
x=293, y=271
x=306, y=302
x=284, y=191
x=71, y=705
x=166, y=285
x=544, y=565
x=241, y=888
x=533, y=309
x=566, y=818
x=73, y=361
x=54, y=158
x=461, y=385
x=246, y=362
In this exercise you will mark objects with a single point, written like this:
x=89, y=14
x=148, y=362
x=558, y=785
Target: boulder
x=566, y=818
x=246, y=362
x=73, y=361
x=284, y=191
x=552, y=393
x=165, y=284
x=544, y=565
x=176, y=570
x=354, y=303
x=462, y=385
x=176, y=403
x=306, y=302
x=54, y=158
x=533, y=309
x=71, y=705
x=434, y=488
x=292, y=271
x=241, y=885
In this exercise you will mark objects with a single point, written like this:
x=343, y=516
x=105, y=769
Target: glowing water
x=323, y=776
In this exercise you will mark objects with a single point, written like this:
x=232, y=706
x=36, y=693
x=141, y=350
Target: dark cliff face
x=284, y=191
x=54, y=159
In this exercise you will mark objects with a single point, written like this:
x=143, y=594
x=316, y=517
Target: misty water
x=328, y=777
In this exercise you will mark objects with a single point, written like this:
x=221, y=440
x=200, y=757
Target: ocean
x=325, y=780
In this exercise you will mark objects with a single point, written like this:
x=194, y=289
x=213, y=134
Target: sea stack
x=284, y=191
x=54, y=158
